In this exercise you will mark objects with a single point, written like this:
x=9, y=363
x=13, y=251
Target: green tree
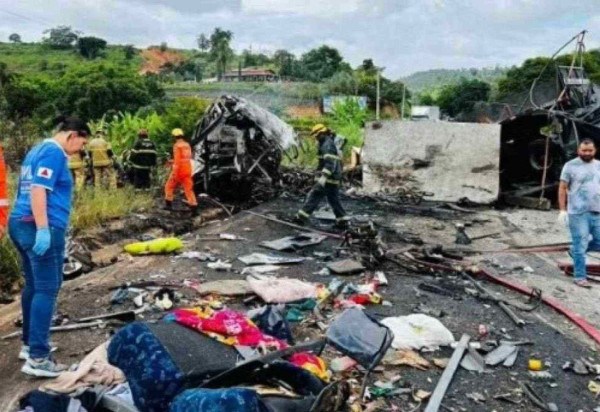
x=163, y=46
x=90, y=47
x=322, y=63
x=426, y=99
x=342, y=83
x=284, y=62
x=203, y=43
x=60, y=37
x=91, y=91
x=129, y=51
x=14, y=38
x=460, y=98
x=519, y=79
x=220, y=49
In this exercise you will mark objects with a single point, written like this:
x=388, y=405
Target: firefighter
x=181, y=173
x=78, y=166
x=4, y=203
x=102, y=162
x=329, y=178
x=142, y=159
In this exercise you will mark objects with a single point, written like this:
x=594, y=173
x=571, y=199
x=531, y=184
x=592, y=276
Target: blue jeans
x=43, y=278
x=582, y=226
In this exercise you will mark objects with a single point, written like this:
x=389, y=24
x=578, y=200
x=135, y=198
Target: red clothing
x=181, y=174
x=4, y=202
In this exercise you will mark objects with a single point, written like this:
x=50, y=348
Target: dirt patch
x=156, y=59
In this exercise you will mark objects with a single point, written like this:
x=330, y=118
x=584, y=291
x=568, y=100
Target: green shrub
x=9, y=265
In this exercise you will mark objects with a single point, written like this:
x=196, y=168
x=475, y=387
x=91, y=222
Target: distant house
x=250, y=75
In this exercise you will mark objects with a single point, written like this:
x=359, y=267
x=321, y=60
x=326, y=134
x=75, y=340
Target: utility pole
x=403, y=99
x=377, y=95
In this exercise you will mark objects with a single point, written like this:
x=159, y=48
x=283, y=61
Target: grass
x=92, y=208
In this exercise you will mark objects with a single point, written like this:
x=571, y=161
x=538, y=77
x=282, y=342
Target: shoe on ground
x=24, y=353
x=583, y=283
x=43, y=368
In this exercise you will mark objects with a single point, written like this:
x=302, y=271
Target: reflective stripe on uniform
x=331, y=156
x=333, y=182
x=4, y=203
x=133, y=151
x=140, y=167
x=326, y=171
x=303, y=213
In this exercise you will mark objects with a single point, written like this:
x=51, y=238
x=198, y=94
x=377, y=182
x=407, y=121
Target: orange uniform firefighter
x=181, y=173
x=3, y=195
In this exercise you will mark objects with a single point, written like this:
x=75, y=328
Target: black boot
x=168, y=205
x=341, y=223
x=194, y=210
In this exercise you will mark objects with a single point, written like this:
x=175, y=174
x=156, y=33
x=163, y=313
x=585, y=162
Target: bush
x=122, y=129
x=185, y=112
x=10, y=271
x=348, y=120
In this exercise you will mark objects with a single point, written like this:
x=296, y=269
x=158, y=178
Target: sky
x=404, y=36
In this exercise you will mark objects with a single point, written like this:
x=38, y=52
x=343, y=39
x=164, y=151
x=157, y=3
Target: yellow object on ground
x=535, y=365
x=155, y=247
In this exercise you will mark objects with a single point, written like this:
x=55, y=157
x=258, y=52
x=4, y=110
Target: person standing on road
x=142, y=159
x=37, y=227
x=103, y=162
x=4, y=202
x=181, y=173
x=329, y=180
x=579, y=203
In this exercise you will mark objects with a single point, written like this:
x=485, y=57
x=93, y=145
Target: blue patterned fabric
x=154, y=379
x=218, y=400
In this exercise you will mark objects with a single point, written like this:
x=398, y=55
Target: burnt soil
x=554, y=340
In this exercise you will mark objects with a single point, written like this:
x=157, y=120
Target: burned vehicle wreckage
x=537, y=141
x=238, y=147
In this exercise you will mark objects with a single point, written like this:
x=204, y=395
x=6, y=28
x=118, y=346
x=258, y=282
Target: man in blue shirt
x=37, y=227
x=580, y=185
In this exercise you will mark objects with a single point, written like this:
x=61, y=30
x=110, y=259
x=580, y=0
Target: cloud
x=402, y=35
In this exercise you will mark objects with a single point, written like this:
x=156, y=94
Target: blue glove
x=42, y=241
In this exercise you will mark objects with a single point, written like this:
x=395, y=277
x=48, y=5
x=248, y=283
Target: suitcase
x=162, y=360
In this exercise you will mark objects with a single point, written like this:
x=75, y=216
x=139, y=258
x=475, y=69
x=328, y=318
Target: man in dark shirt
x=329, y=177
x=142, y=159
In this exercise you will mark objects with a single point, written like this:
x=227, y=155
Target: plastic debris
x=156, y=246
x=219, y=265
x=342, y=364
x=264, y=259
x=535, y=365
x=418, y=331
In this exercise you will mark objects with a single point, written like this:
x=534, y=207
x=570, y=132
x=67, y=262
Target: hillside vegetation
x=431, y=79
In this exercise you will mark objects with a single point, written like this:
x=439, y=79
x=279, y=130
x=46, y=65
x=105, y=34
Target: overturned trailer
x=540, y=139
x=238, y=147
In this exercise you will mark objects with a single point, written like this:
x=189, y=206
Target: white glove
x=322, y=180
x=563, y=218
